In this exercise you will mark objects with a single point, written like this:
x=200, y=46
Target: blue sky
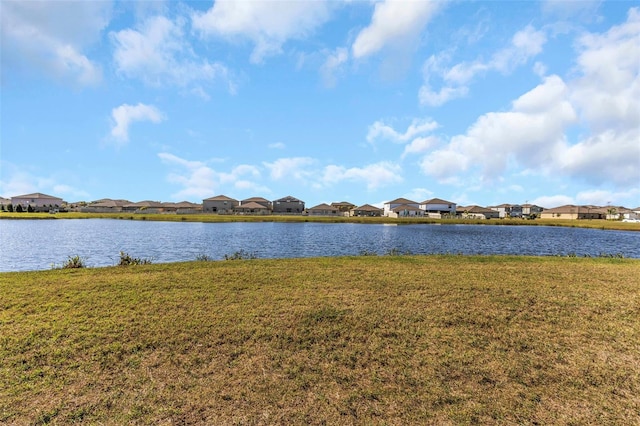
x=476, y=102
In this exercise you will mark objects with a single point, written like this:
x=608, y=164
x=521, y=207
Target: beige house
x=406, y=210
x=220, y=204
x=367, y=210
x=324, y=210
x=37, y=201
x=262, y=201
x=251, y=208
x=571, y=211
x=477, y=212
x=343, y=206
x=105, y=205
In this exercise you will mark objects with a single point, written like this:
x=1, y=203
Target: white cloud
x=333, y=65
x=50, y=37
x=393, y=22
x=530, y=134
x=380, y=130
x=124, y=115
x=158, y=53
x=16, y=181
x=419, y=145
x=199, y=181
x=293, y=168
x=277, y=145
x=374, y=175
x=267, y=24
x=524, y=45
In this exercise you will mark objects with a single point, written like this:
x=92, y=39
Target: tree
x=19, y=208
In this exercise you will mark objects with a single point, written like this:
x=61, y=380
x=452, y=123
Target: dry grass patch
x=361, y=340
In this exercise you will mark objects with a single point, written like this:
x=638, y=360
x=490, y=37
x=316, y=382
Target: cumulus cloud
x=531, y=133
x=268, y=25
x=294, y=168
x=198, y=180
x=374, y=175
x=158, y=53
x=601, y=101
x=418, y=127
x=333, y=65
x=393, y=22
x=50, y=37
x=525, y=44
x=124, y=115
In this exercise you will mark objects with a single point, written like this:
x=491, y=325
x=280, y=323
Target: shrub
x=203, y=258
x=74, y=262
x=126, y=260
x=240, y=255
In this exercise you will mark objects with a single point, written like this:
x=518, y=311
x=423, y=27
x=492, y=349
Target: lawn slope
x=360, y=340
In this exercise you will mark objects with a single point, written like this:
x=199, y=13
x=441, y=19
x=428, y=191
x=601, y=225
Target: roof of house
x=436, y=201
x=401, y=201
x=405, y=207
x=259, y=200
x=106, y=202
x=289, y=199
x=251, y=205
x=220, y=198
x=323, y=206
x=342, y=204
x=368, y=207
x=36, y=195
x=477, y=209
x=146, y=203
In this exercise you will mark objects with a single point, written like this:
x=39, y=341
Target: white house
x=389, y=206
x=440, y=206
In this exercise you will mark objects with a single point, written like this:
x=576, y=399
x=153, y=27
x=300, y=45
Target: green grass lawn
x=354, y=340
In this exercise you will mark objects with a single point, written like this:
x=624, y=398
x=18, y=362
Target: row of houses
x=289, y=205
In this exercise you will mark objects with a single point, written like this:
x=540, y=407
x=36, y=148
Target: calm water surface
x=39, y=244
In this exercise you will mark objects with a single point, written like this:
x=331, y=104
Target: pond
x=41, y=244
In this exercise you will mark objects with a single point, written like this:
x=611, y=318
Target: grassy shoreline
x=353, y=340
x=211, y=218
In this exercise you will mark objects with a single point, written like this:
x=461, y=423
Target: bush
x=126, y=260
x=203, y=258
x=240, y=255
x=74, y=262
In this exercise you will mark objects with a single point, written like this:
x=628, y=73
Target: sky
x=474, y=102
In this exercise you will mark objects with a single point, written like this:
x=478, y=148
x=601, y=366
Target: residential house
x=262, y=201
x=508, y=210
x=183, y=207
x=288, y=205
x=406, y=210
x=571, y=211
x=344, y=207
x=251, y=208
x=144, y=207
x=389, y=206
x=438, y=206
x=477, y=212
x=220, y=204
x=37, y=202
x=105, y=205
x=324, y=210
x=367, y=210
x=4, y=203
x=531, y=209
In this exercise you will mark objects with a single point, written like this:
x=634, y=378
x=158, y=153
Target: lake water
x=39, y=244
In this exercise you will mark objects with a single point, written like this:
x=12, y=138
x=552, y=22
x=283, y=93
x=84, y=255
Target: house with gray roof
x=37, y=202
x=367, y=210
x=390, y=206
x=324, y=210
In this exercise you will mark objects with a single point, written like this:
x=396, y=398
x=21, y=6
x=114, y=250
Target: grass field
x=358, y=340
x=595, y=224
